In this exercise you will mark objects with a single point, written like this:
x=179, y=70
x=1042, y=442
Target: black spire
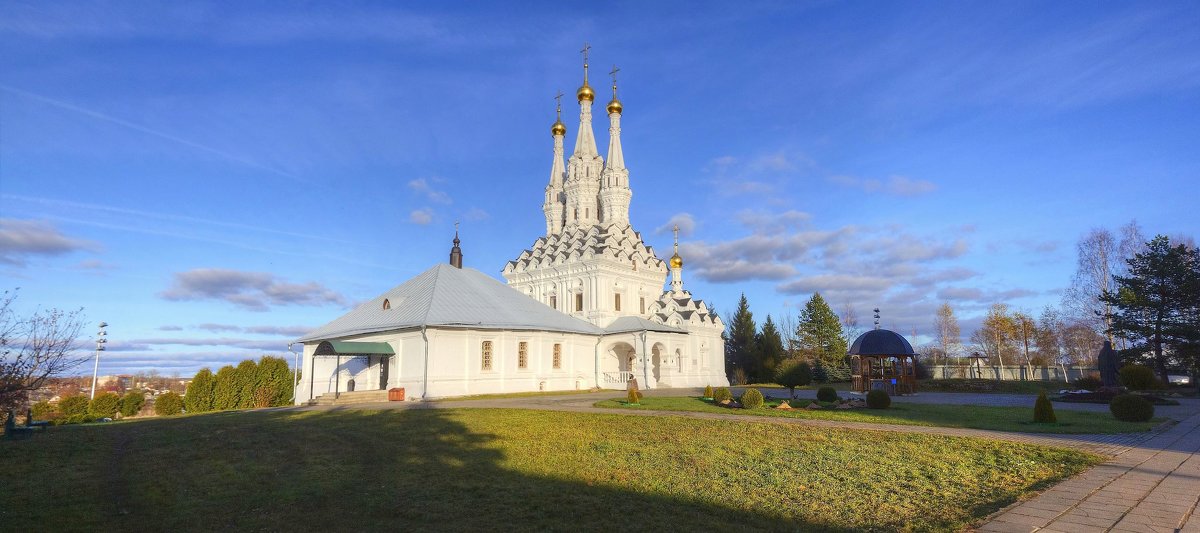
x=456, y=252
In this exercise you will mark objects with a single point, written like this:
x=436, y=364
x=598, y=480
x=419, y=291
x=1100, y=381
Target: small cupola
x=456, y=252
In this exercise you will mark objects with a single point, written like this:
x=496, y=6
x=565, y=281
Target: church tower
x=615, y=193
x=583, y=169
x=554, y=207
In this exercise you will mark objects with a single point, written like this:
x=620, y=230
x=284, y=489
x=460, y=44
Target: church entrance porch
x=620, y=365
x=356, y=366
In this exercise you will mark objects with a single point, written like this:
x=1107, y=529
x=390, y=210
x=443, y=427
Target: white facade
x=589, y=290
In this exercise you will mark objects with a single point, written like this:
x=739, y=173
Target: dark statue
x=1108, y=360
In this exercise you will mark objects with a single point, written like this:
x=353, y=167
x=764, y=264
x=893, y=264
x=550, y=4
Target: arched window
x=387, y=304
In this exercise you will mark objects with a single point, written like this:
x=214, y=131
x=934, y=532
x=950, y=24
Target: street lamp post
x=101, y=340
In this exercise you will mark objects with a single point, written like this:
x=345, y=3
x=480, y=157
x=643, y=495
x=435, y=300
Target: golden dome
x=614, y=106
x=585, y=93
x=676, y=261
x=558, y=128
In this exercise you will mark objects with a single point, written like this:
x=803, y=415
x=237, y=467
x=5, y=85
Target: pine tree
x=199, y=396
x=820, y=333
x=770, y=352
x=739, y=347
x=1158, y=303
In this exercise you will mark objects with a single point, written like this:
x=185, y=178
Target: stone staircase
x=350, y=398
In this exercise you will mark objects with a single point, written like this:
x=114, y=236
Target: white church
x=584, y=307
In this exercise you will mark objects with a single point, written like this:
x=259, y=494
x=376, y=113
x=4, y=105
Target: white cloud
x=894, y=185
x=421, y=216
x=422, y=186
x=685, y=221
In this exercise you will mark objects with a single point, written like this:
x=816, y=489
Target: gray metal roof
x=628, y=324
x=449, y=296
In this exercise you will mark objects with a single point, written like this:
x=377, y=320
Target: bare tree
x=995, y=336
x=1098, y=259
x=1081, y=343
x=1049, y=336
x=34, y=349
x=1026, y=331
x=949, y=336
x=850, y=327
x=787, y=329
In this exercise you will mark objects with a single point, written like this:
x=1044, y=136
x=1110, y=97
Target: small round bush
x=708, y=391
x=827, y=394
x=104, y=405
x=752, y=399
x=1138, y=377
x=634, y=397
x=1089, y=382
x=168, y=404
x=1131, y=408
x=73, y=405
x=878, y=399
x=721, y=394
x=1043, y=410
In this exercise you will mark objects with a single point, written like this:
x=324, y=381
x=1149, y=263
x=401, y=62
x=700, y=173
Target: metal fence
x=1011, y=373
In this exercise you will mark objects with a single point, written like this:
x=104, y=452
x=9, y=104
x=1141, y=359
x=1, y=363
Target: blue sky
x=215, y=179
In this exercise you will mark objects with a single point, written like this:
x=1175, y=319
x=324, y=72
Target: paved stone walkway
x=1152, y=487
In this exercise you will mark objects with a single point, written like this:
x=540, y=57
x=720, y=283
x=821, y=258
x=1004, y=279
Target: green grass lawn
x=503, y=395
x=1018, y=419
x=454, y=470
x=990, y=386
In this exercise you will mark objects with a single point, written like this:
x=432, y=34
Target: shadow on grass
x=280, y=469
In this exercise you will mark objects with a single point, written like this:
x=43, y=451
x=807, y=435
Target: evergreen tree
x=226, y=392
x=247, y=380
x=819, y=333
x=275, y=382
x=199, y=395
x=770, y=352
x=739, y=347
x=1158, y=303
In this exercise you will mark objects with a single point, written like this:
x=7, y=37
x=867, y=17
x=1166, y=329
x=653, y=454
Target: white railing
x=617, y=378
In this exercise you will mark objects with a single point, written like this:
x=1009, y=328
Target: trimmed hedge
x=104, y=405
x=1131, y=408
x=132, y=402
x=168, y=404
x=1043, y=410
x=878, y=399
x=827, y=394
x=1138, y=377
x=752, y=399
x=73, y=405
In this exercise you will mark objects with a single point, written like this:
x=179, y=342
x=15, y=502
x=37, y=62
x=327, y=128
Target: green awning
x=354, y=348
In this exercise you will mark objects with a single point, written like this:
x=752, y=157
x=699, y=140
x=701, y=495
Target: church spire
x=585, y=140
x=676, y=266
x=456, y=252
x=614, y=180
x=553, y=206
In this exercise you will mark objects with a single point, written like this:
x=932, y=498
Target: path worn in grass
x=456, y=469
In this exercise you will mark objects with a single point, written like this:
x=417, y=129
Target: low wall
x=1011, y=373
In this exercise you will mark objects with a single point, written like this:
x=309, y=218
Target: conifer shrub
x=1043, y=410
x=793, y=373
x=43, y=410
x=168, y=404
x=634, y=397
x=752, y=399
x=708, y=392
x=878, y=399
x=73, y=405
x=827, y=394
x=820, y=373
x=1138, y=377
x=132, y=402
x=1089, y=382
x=1131, y=408
x=104, y=405
x=721, y=394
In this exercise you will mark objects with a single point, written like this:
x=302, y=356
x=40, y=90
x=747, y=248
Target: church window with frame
x=642, y=300
x=522, y=354
x=486, y=349
x=579, y=301
x=617, y=302
x=557, y=356
x=553, y=301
